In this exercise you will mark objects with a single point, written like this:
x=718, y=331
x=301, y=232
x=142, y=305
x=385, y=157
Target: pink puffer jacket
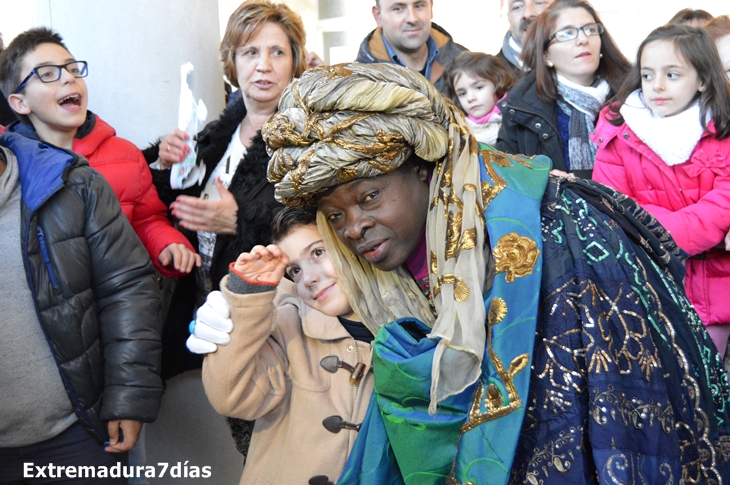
x=691, y=200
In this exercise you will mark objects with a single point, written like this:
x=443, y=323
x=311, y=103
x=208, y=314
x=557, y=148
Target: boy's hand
x=181, y=258
x=173, y=148
x=265, y=264
x=212, y=325
x=130, y=430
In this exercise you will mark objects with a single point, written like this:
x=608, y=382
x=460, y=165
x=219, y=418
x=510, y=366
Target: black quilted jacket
x=92, y=284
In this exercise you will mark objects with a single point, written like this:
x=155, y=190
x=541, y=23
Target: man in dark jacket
x=520, y=14
x=406, y=36
x=80, y=334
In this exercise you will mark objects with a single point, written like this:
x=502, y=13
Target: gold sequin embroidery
x=494, y=401
x=461, y=291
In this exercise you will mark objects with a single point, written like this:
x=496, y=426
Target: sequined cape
x=624, y=385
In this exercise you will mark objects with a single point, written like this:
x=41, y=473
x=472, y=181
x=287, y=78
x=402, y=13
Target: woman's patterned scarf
x=583, y=105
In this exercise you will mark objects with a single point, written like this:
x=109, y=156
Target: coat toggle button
x=332, y=364
x=320, y=480
x=334, y=424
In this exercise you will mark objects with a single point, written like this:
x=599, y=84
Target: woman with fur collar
x=262, y=50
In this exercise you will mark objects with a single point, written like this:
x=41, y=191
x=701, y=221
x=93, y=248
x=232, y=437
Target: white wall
x=135, y=47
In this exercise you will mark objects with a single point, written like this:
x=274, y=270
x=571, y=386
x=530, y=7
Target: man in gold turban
x=530, y=328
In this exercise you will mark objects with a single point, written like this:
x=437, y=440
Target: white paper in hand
x=190, y=116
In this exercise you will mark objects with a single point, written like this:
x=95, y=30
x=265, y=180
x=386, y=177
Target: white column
x=135, y=49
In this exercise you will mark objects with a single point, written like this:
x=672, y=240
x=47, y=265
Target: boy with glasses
x=80, y=335
x=45, y=87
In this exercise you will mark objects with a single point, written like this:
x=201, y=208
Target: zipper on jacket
x=46, y=258
x=78, y=408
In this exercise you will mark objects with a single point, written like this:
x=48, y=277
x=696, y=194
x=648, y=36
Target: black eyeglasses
x=51, y=73
x=571, y=33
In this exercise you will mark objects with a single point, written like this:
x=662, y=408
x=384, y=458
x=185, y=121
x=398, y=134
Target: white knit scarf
x=672, y=138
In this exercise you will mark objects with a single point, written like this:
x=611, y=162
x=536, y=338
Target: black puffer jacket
x=92, y=284
x=256, y=209
x=530, y=124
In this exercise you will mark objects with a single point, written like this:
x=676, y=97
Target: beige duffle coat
x=271, y=373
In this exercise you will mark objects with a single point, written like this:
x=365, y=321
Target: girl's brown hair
x=612, y=68
x=718, y=27
x=246, y=20
x=697, y=48
x=687, y=15
x=478, y=64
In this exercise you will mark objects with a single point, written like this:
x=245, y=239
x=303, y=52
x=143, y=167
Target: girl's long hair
x=697, y=48
x=612, y=67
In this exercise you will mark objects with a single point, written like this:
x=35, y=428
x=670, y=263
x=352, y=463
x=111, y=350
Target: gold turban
x=341, y=123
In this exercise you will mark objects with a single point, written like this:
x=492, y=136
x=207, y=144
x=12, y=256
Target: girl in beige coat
x=297, y=361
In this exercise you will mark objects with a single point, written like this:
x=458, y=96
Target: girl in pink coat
x=663, y=141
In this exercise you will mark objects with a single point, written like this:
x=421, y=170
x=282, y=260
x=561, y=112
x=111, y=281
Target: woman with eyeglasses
x=574, y=68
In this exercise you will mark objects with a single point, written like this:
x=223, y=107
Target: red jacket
x=691, y=200
x=123, y=166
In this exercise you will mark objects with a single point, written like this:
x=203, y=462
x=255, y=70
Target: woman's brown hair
x=245, y=22
x=612, y=67
x=687, y=15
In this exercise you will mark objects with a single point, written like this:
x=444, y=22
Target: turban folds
x=341, y=123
